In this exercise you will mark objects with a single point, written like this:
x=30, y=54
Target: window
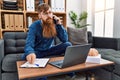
x=103, y=15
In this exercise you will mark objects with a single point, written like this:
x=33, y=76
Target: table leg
x=89, y=76
x=86, y=76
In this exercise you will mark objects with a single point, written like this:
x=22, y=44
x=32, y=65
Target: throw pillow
x=77, y=35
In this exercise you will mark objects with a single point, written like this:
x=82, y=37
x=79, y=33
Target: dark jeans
x=54, y=50
x=44, y=78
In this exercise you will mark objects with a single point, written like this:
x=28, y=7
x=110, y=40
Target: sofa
x=12, y=47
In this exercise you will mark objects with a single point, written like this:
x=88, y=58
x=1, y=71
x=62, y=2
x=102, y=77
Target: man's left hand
x=93, y=52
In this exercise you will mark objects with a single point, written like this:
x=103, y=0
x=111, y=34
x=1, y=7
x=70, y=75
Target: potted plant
x=78, y=34
x=80, y=21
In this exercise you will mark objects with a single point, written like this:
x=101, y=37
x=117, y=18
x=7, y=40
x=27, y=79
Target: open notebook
x=39, y=62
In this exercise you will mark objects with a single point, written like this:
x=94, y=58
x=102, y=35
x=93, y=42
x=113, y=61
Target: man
x=41, y=36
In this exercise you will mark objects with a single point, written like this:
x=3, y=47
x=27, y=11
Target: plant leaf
x=83, y=16
x=78, y=22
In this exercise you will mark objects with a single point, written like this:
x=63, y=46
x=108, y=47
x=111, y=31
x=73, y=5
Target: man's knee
x=68, y=43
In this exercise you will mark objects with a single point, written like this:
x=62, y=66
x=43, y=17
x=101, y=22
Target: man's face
x=45, y=15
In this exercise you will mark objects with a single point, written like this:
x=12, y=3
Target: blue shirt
x=35, y=40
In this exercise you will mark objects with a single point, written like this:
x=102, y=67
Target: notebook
x=73, y=55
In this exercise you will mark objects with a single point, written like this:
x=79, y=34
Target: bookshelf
x=18, y=20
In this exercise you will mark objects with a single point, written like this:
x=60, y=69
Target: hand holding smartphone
x=56, y=19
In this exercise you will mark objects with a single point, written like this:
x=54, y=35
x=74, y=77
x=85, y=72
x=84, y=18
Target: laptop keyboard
x=59, y=63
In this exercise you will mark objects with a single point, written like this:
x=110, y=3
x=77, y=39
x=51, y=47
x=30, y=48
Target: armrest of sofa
x=107, y=43
x=1, y=54
x=1, y=48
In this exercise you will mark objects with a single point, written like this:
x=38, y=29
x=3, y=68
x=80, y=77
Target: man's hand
x=57, y=19
x=93, y=52
x=31, y=58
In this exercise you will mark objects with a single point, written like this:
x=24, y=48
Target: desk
x=51, y=70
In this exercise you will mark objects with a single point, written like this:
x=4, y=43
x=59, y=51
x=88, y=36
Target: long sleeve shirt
x=35, y=40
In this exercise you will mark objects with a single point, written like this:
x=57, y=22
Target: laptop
x=73, y=55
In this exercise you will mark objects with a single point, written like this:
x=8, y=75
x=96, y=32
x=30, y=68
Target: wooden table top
x=51, y=70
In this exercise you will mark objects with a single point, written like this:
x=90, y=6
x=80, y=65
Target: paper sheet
x=39, y=62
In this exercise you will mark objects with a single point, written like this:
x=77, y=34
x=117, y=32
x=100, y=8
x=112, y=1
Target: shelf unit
x=23, y=15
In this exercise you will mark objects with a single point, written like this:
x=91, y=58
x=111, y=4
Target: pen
x=37, y=65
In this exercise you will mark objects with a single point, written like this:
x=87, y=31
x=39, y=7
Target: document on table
x=39, y=62
x=94, y=59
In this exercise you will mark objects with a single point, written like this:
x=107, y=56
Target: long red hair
x=49, y=29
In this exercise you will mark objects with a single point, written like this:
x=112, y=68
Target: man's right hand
x=57, y=19
x=31, y=58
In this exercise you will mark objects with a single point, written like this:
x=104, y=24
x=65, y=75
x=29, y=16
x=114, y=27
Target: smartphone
x=55, y=20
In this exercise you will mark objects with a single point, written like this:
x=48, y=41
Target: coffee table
x=51, y=70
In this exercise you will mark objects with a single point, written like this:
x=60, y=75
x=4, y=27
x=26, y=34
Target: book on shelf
x=0, y=20
x=8, y=5
x=27, y=5
x=52, y=4
x=29, y=21
x=30, y=5
x=11, y=20
x=10, y=8
x=21, y=21
x=62, y=6
x=7, y=23
x=18, y=19
x=57, y=5
x=10, y=0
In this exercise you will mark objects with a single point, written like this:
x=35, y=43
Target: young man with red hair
x=41, y=36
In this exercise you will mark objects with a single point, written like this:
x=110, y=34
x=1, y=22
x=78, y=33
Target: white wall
x=90, y=15
x=73, y=5
x=77, y=6
x=116, y=31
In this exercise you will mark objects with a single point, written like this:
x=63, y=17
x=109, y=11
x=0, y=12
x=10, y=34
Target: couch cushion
x=111, y=55
x=15, y=35
x=89, y=35
x=14, y=46
x=115, y=76
x=10, y=76
x=9, y=62
x=14, y=42
x=77, y=35
x=14, y=76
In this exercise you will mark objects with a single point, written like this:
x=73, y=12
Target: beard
x=49, y=29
